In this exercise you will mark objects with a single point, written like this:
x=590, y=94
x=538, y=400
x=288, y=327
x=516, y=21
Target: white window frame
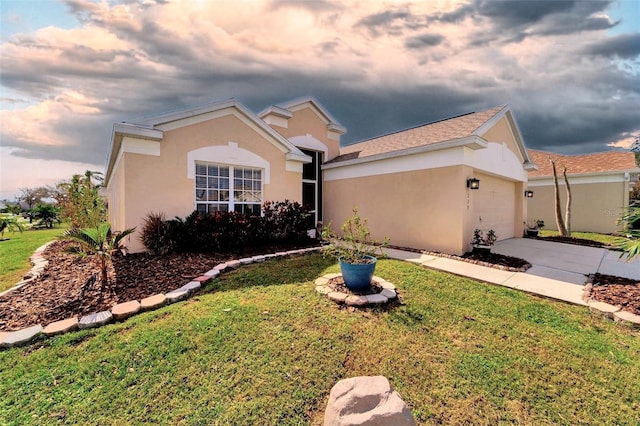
x=232, y=202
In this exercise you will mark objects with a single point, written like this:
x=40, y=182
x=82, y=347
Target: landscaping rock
x=366, y=401
x=387, y=285
x=604, y=308
x=60, y=327
x=126, y=309
x=95, y=320
x=337, y=296
x=376, y=299
x=331, y=276
x=233, y=264
x=220, y=267
x=356, y=300
x=322, y=281
x=259, y=258
x=212, y=273
x=628, y=317
x=246, y=261
x=323, y=289
x=177, y=295
x=20, y=337
x=153, y=302
x=389, y=294
x=191, y=286
x=202, y=279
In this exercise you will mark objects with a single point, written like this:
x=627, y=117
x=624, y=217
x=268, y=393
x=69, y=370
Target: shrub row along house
x=427, y=187
x=600, y=187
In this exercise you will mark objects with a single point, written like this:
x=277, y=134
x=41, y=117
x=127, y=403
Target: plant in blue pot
x=355, y=250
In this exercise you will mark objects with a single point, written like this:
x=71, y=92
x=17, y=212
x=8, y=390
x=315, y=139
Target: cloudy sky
x=570, y=70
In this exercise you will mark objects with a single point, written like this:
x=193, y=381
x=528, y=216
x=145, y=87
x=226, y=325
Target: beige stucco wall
x=595, y=207
x=501, y=132
x=306, y=121
x=160, y=183
x=499, y=205
x=420, y=209
x=115, y=198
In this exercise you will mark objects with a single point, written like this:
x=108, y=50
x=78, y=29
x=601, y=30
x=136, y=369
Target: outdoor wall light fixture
x=528, y=193
x=473, y=183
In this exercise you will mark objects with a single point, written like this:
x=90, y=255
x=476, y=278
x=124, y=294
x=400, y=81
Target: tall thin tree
x=562, y=228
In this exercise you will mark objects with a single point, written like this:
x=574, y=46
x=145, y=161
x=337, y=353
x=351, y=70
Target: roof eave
x=472, y=142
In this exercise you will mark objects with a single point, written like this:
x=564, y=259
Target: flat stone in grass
x=376, y=299
x=322, y=281
x=331, y=276
x=60, y=327
x=389, y=294
x=337, y=296
x=153, y=302
x=20, y=337
x=95, y=320
x=246, y=260
x=628, y=317
x=191, y=286
x=177, y=295
x=354, y=300
x=323, y=289
x=202, y=279
x=125, y=309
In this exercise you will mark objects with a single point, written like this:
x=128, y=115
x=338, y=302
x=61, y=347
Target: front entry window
x=312, y=184
x=222, y=187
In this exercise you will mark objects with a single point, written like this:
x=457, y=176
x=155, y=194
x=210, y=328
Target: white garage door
x=494, y=206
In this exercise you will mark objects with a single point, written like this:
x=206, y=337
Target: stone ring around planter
x=332, y=286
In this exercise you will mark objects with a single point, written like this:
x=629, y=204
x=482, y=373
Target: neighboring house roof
x=286, y=109
x=151, y=128
x=600, y=162
x=461, y=130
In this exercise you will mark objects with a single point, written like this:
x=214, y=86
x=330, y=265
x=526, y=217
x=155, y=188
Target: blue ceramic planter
x=358, y=276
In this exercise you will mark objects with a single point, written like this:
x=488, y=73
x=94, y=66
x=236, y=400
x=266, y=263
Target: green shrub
x=282, y=222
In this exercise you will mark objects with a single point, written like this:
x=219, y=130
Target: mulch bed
x=572, y=240
x=70, y=285
x=497, y=259
x=617, y=291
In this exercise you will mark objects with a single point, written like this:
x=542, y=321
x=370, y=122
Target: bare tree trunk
x=559, y=221
x=567, y=220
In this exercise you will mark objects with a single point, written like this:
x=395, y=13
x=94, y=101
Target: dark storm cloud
x=391, y=22
x=424, y=40
x=623, y=46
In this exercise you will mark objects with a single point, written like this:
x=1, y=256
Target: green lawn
x=611, y=240
x=15, y=253
x=260, y=346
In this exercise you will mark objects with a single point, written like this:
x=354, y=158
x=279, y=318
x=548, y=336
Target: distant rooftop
x=599, y=162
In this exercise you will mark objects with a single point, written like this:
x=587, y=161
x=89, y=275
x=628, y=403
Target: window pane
x=309, y=170
x=223, y=171
x=237, y=172
x=213, y=170
x=224, y=195
x=201, y=182
x=224, y=183
x=200, y=194
x=201, y=169
x=309, y=195
x=201, y=208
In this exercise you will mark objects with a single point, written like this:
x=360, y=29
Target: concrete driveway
x=567, y=262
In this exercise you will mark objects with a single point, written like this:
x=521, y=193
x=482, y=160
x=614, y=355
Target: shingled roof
x=600, y=162
x=429, y=134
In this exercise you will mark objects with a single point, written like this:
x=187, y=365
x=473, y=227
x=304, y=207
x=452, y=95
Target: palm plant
x=11, y=223
x=631, y=218
x=97, y=241
x=47, y=214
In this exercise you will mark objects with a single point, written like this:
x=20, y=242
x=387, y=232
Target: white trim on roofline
x=309, y=142
x=461, y=155
x=585, y=178
x=512, y=124
x=473, y=142
x=299, y=103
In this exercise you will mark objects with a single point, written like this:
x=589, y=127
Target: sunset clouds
x=377, y=66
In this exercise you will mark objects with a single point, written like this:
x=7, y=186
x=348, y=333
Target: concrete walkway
x=559, y=271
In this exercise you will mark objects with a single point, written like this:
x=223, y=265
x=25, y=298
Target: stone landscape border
x=124, y=310
x=388, y=293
